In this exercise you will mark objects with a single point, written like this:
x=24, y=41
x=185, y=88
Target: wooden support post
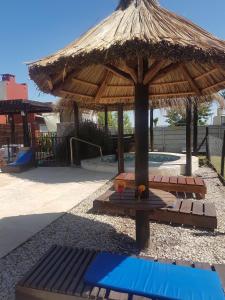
x=188, y=138
x=120, y=147
x=106, y=121
x=152, y=129
x=77, y=160
x=207, y=143
x=195, y=128
x=12, y=127
x=26, y=134
x=223, y=157
x=141, y=159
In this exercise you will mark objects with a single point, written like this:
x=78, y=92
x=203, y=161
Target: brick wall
x=5, y=132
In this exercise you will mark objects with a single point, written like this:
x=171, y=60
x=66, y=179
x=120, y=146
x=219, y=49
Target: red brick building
x=11, y=90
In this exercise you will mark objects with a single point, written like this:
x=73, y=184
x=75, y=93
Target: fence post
x=8, y=149
x=207, y=144
x=223, y=156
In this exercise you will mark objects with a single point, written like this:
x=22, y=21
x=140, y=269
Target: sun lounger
x=194, y=185
x=24, y=161
x=187, y=212
x=62, y=274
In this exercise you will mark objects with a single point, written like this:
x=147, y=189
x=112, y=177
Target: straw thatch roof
x=65, y=104
x=102, y=65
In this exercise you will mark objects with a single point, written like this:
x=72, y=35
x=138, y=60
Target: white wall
x=173, y=139
x=2, y=90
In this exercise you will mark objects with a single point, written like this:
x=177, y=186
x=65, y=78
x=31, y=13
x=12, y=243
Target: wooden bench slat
x=190, y=181
x=197, y=208
x=203, y=266
x=209, y=209
x=60, y=270
x=73, y=271
x=38, y=265
x=151, y=178
x=165, y=179
x=186, y=207
x=68, y=268
x=173, y=179
x=102, y=293
x=46, y=280
x=157, y=178
x=79, y=274
x=35, y=277
x=199, y=181
x=182, y=180
x=220, y=269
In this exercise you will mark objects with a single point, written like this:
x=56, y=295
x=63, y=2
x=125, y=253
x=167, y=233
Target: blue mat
x=151, y=279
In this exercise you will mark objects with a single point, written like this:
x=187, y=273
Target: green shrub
x=91, y=133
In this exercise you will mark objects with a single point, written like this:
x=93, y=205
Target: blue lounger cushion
x=153, y=279
x=24, y=157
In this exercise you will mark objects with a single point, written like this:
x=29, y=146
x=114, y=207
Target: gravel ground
x=81, y=228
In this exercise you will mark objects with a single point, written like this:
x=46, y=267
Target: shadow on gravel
x=209, y=233
x=68, y=230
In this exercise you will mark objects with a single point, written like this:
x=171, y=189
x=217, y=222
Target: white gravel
x=81, y=228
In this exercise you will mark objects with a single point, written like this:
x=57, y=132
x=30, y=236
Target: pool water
x=129, y=158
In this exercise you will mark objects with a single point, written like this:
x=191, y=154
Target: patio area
x=80, y=227
x=32, y=200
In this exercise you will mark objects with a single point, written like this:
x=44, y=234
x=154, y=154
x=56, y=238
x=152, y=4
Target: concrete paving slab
x=32, y=200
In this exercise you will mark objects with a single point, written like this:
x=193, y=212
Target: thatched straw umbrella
x=140, y=52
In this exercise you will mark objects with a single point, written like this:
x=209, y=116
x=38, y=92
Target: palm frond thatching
x=101, y=66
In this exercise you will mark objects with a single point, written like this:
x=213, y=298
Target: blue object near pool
x=154, y=280
x=24, y=157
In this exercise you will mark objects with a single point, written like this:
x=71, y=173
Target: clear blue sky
x=31, y=29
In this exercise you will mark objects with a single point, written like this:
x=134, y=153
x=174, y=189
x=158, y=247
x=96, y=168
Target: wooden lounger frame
x=185, y=211
x=194, y=185
x=59, y=275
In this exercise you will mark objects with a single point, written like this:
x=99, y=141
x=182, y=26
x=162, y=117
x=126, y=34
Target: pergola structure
x=23, y=108
x=140, y=55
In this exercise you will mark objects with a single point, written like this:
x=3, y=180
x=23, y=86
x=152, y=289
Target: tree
x=112, y=120
x=155, y=121
x=177, y=117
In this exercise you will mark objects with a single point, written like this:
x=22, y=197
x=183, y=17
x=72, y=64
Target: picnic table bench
x=194, y=185
x=59, y=275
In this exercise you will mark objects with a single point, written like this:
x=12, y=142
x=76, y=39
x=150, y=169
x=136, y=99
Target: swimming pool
x=160, y=163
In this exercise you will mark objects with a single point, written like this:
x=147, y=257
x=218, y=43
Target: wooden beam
x=172, y=67
x=191, y=81
x=116, y=71
x=188, y=137
x=140, y=69
x=122, y=86
x=215, y=86
x=91, y=84
x=50, y=85
x=206, y=74
x=153, y=71
x=195, y=127
x=76, y=94
x=120, y=147
x=221, y=69
x=152, y=129
x=76, y=153
x=169, y=83
x=131, y=72
x=103, y=86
